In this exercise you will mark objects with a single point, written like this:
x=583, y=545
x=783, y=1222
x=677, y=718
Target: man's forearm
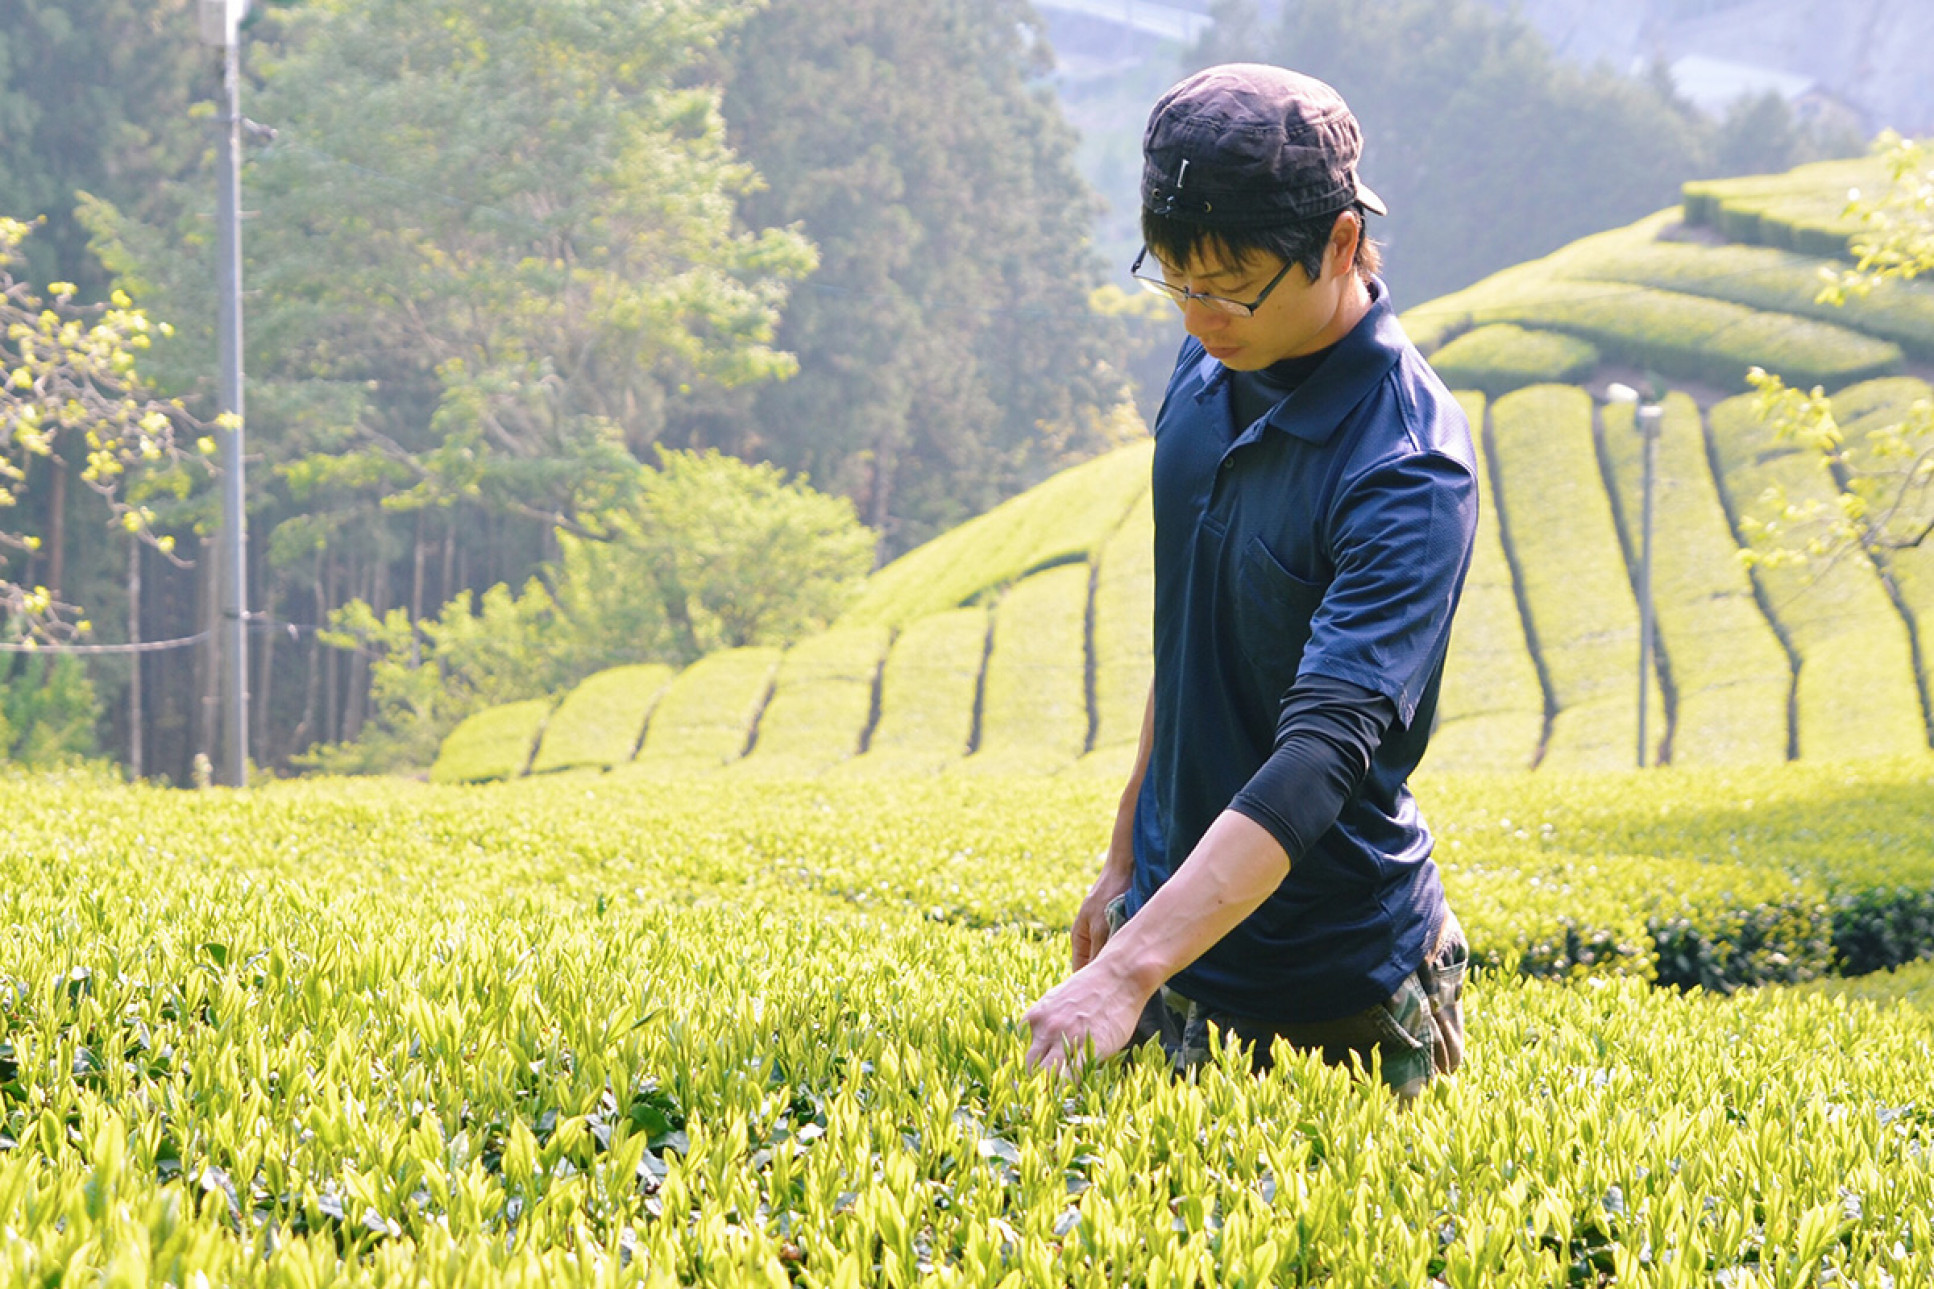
x=1231, y=871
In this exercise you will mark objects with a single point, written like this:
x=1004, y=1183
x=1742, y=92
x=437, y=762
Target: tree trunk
x=305, y=729
x=332, y=664
x=265, y=678
x=57, y=527
x=449, y=555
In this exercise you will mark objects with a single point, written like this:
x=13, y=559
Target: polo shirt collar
x=1356, y=363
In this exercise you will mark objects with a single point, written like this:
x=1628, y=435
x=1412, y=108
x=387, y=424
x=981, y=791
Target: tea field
x=604, y=1028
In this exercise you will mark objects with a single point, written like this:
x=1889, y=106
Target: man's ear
x=1340, y=254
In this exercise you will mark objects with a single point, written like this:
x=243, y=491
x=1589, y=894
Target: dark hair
x=1175, y=242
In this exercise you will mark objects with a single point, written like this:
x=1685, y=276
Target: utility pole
x=221, y=26
x=1647, y=420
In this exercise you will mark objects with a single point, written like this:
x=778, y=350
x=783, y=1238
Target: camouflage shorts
x=1414, y=1036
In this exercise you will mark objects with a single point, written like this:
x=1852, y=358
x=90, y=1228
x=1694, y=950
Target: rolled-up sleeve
x=1400, y=543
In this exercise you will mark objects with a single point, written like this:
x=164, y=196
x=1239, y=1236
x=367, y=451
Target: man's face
x=1299, y=317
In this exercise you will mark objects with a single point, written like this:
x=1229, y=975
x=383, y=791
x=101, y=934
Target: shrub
x=707, y=716
x=927, y=694
x=602, y=720
x=1034, y=707
x=822, y=702
x=495, y=743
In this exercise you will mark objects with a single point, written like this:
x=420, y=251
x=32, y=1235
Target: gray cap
x=1245, y=145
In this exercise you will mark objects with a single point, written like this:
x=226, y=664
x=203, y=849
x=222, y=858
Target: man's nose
x=1200, y=321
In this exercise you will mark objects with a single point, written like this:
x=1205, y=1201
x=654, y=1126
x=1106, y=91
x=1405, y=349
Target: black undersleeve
x=1326, y=734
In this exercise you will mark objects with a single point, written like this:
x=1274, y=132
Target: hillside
x=1018, y=642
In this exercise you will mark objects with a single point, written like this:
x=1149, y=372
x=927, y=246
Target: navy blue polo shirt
x=1330, y=537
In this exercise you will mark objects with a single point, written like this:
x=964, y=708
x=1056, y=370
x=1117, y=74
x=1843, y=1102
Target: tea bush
x=590, y=1029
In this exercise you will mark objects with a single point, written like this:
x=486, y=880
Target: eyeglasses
x=1181, y=295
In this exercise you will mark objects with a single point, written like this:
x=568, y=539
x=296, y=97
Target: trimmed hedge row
x=1064, y=520
x=1124, y=616
x=1490, y=714
x=1695, y=338
x=1731, y=676
x=1502, y=357
x=1802, y=210
x=1857, y=695
x=927, y=695
x=1764, y=278
x=495, y=743
x=600, y=722
x=822, y=703
x=1576, y=587
x=706, y=718
x=1034, y=703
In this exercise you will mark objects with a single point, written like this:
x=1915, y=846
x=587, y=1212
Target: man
x=1315, y=497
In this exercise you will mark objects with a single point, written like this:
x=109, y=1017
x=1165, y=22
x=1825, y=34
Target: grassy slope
x=1064, y=520
x=1856, y=690
x=1490, y=714
x=822, y=703
x=601, y=721
x=927, y=693
x=1034, y=706
x=1575, y=583
x=1731, y=676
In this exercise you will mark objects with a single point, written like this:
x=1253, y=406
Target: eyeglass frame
x=1181, y=295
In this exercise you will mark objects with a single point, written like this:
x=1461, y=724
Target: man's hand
x=1091, y=1014
x=1090, y=930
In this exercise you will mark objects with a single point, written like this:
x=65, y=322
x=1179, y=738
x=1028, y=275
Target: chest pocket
x=1272, y=613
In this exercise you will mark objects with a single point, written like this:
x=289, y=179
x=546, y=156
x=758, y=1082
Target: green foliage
x=94, y=98
x=787, y=1016
x=710, y=553
x=948, y=355
x=48, y=711
x=822, y=703
x=1490, y=712
x=928, y=689
x=713, y=553
x=1804, y=210
x=1730, y=678
x=427, y=677
x=1576, y=589
x=1857, y=694
x=1896, y=241
x=70, y=393
x=1675, y=334
x=495, y=743
x=1034, y=708
x=1063, y=520
x=1123, y=635
x=1499, y=358
x=1488, y=147
x=602, y=720
x=709, y=714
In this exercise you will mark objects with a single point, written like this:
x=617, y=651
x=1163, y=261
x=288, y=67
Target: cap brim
x=1369, y=199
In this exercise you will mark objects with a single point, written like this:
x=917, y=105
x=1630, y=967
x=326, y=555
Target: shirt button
x=1228, y=463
